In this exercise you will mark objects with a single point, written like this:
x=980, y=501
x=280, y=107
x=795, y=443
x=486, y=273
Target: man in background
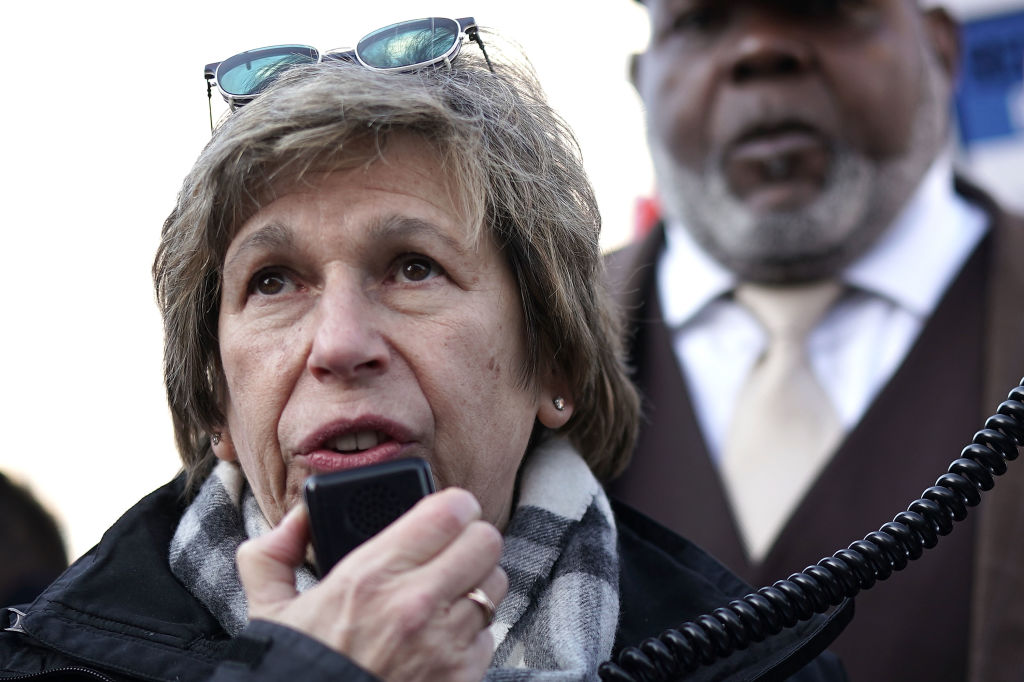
x=31, y=549
x=826, y=315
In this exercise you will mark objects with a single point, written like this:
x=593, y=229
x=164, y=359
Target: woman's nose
x=347, y=343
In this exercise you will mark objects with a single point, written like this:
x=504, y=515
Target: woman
x=362, y=267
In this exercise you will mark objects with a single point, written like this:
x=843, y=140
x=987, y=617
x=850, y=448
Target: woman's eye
x=417, y=269
x=269, y=283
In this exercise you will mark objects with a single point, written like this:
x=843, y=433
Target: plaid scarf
x=558, y=620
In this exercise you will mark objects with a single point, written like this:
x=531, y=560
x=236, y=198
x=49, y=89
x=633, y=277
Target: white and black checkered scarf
x=559, y=618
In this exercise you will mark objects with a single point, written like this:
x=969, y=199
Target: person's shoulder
x=142, y=532
x=629, y=269
x=1003, y=219
x=117, y=601
x=152, y=519
x=666, y=580
x=637, y=251
x=698, y=582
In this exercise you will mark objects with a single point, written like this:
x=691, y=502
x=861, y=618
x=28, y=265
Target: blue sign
x=990, y=96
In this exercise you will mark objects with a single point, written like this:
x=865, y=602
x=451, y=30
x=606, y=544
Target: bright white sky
x=104, y=115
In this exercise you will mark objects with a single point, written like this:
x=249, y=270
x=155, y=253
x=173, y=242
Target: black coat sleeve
x=268, y=651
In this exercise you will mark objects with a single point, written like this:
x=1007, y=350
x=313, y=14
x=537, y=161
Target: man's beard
x=861, y=199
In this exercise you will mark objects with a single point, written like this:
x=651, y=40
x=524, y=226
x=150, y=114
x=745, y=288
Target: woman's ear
x=555, y=401
x=222, y=446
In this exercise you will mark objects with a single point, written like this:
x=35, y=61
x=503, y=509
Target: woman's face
x=359, y=323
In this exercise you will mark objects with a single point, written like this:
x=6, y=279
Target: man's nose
x=770, y=46
x=347, y=344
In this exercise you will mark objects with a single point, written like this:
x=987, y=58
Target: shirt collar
x=936, y=227
x=688, y=278
x=914, y=261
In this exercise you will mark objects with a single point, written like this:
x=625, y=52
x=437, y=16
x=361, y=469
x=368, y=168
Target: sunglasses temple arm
x=474, y=35
x=209, y=102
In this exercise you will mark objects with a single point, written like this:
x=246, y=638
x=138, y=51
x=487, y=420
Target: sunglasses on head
x=405, y=46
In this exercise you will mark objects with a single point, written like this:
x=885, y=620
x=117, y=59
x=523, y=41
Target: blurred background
x=107, y=112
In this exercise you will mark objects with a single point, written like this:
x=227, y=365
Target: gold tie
x=784, y=427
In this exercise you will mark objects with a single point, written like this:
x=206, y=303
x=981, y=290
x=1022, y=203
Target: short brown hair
x=520, y=171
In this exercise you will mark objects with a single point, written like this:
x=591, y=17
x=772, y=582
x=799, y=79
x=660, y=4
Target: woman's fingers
x=438, y=548
x=267, y=564
x=397, y=604
x=422, y=532
x=464, y=563
x=476, y=611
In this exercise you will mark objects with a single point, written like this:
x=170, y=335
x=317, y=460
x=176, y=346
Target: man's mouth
x=778, y=167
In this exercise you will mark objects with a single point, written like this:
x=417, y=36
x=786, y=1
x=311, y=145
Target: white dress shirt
x=858, y=345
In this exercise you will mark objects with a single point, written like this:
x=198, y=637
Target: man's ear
x=222, y=446
x=635, y=60
x=944, y=34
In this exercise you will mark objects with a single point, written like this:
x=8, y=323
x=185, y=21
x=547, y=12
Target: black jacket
x=119, y=614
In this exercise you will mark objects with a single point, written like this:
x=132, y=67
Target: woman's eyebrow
x=270, y=236
x=277, y=236
x=399, y=226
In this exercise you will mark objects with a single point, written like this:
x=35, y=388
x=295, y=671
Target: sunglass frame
x=467, y=30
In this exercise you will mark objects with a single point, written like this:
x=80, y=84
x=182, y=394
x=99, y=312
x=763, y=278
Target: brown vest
x=916, y=624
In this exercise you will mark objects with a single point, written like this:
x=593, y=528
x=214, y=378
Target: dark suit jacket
x=970, y=354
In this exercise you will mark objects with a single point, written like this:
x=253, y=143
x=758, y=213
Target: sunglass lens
x=409, y=43
x=249, y=73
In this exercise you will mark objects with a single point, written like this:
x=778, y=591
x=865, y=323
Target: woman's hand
x=397, y=604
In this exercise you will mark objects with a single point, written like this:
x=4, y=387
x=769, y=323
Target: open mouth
x=350, y=444
x=359, y=441
x=778, y=166
x=763, y=130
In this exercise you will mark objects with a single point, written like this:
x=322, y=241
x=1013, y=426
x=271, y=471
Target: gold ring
x=480, y=598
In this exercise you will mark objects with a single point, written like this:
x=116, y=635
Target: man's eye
x=829, y=8
x=696, y=19
x=417, y=269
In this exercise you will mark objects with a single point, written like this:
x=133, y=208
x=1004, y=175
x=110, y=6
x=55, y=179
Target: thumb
x=267, y=564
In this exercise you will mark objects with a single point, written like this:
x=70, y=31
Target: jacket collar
x=120, y=599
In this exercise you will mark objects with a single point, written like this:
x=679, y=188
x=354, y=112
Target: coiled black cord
x=824, y=585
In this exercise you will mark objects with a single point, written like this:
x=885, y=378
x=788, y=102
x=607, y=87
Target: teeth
x=354, y=442
x=366, y=440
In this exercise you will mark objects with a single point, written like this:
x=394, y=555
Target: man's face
x=788, y=133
